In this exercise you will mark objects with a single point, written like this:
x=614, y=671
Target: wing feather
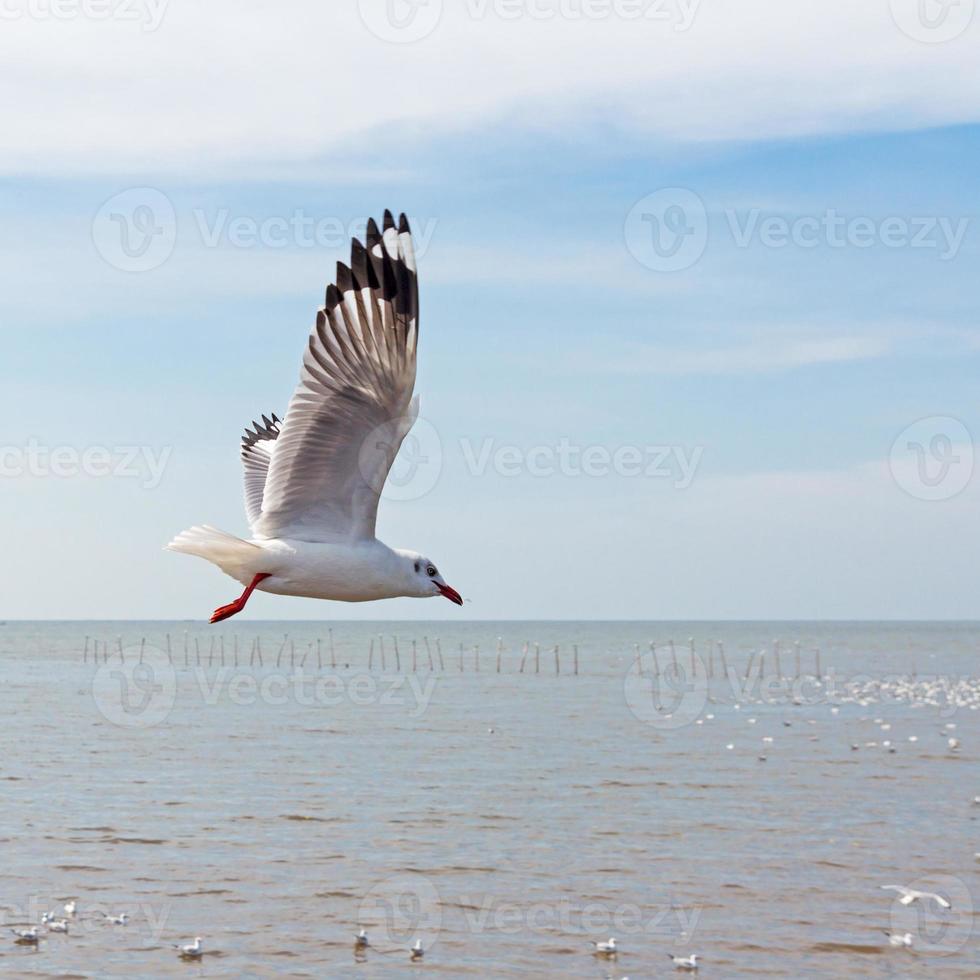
x=353, y=405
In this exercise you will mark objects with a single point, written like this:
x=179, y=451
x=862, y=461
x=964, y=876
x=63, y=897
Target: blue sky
x=780, y=376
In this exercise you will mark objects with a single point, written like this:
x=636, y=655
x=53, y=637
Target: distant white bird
x=417, y=951
x=606, y=947
x=899, y=938
x=910, y=895
x=116, y=920
x=58, y=925
x=70, y=907
x=361, y=938
x=27, y=937
x=685, y=962
x=192, y=951
x=312, y=481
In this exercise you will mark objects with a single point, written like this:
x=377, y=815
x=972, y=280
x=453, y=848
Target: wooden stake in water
x=775, y=654
x=371, y=655
x=282, y=647
x=722, y=657
x=575, y=648
x=476, y=657
x=500, y=650
x=653, y=657
x=258, y=648
x=319, y=655
x=442, y=664
x=799, y=666
x=381, y=648
x=170, y=656
x=185, y=648
x=694, y=668
x=461, y=658
x=428, y=651
x=333, y=656
x=222, y=645
x=398, y=658
x=557, y=661
x=142, y=647
x=748, y=666
x=817, y=663
x=211, y=652
x=524, y=656
x=122, y=659
x=197, y=652
x=711, y=659
x=673, y=656
x=537, y=658
x=414, y=659
x=85, y=652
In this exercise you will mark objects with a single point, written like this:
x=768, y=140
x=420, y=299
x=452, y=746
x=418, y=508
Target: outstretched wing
x=353, y=405
x=257, y=446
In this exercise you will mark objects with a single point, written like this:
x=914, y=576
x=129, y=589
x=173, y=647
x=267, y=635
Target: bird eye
x=432, y=571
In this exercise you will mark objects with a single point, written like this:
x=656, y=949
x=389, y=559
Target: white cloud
x=258, y=87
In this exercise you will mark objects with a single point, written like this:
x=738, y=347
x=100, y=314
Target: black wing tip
x=403, y=226
x=268, y=429
x=345, y=279
x=334, y=297
x=373, y=233
x=389, y=220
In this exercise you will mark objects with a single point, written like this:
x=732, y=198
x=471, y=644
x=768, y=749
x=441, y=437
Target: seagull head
x=424, y=579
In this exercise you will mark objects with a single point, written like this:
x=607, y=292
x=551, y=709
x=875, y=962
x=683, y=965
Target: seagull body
x=417, y=951
x=685, y=962
x=58, y=925
x=70, y=907
x=192, y=951
x=899, y=938
x=117, y=920
x=606, y=948
x=361, y=939
x=313, y=480
x=28, y=937
x=910, y=895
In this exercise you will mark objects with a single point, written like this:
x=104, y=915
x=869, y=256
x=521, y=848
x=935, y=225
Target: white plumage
x=313, y=479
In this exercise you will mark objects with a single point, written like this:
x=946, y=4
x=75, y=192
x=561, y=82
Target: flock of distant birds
x=31, y=936
x=604, y=948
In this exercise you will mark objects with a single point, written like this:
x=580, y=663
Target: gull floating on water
x=70, y=907
x=685, y=962
x=417, y=951
x=192, y=951
x=910, y=895
x=606, y=948
x=27, y=937
x=361, y=939
x=313, y=480
x=116, y=920
x=899, y=938
x=58, y=925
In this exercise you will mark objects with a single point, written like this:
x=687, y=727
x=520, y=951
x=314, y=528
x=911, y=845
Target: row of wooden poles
x=757, y=657
x=217, y=654
x=662, y=658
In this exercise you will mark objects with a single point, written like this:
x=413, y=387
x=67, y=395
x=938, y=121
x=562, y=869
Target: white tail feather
x=234, y=556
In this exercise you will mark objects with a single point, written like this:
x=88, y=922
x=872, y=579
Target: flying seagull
x=910, y=895
x=313, y=479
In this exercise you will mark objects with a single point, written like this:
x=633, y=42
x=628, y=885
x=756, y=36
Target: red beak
x=451, y=594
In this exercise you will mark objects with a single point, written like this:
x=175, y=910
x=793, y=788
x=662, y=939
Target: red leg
x=226, y=612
